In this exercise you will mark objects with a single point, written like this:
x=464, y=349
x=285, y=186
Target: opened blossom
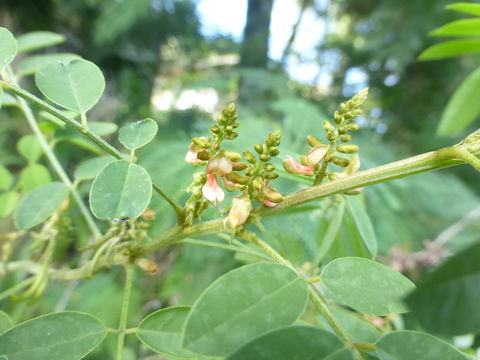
x=313, y=157
x=219, y=165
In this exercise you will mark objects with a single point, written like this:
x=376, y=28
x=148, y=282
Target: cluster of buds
x=250, y=175
x=315, y=162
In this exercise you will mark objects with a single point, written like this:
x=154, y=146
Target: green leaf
x=5, y=322
x=294, y=342
x=1, y=96
x=464, y=27
x=366, y=286
x=76, y=86
x=360, y=331
x=409, y=345
x=29, y=147
x=121, y=190
x=8, y=48
x=37, y=40
x=363, y=223
x=102, y=128
x=33, y=176
x=6, y=178
x=138, y=134
x=162, y=331
x=64, y=335
x=326, y=241
x=243, y=304
x=467, y=8
x=8, y=202
x=35, y=63
x=89, y=169
x=37, y=206
x=446, y=300
x=463, y=107
x=449, y=49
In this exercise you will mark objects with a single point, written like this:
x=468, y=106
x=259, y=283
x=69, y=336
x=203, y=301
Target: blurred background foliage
x=159, y=63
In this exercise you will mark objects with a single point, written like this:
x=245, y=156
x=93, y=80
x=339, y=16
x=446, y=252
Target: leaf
x=76, y=86
x=33, y=176
x=408, y=345
x=448, y=49
x=467, y=8
x=242, y=304
x=138, y=134
x=294, y=342
x=162, y=331
x=35, y=63
x=89, y=169
x=446, y=300
x=8, y=48
x=366, y=286
x=121, y=190
x=37, y=40
x=8, y=202
x=102, y=128
x=326, y=241
x=64, y=335
x=29, y=147
x=6, y=178
x=361, y=331
x=464, y=27
x=5, y=322
x=363, y=223
x=42, y=202
x=463, y=107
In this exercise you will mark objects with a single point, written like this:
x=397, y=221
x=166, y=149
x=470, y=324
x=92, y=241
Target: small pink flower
x=191, y=156
x=212, y=190
x=295, y=168
x=269, y=203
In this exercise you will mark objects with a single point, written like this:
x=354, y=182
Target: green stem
x=129, y=270
x=222, y=246
x=16, y=288
x=56, y=164
x=93, y=137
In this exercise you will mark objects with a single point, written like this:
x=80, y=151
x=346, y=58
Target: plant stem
x=222, y=246
x=92, y=136
x=56, y=164
x=129, y=271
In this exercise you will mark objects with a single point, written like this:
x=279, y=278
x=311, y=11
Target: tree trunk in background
x=254, y=52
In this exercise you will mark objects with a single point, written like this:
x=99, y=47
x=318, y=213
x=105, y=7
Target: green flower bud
x=238, y=166
x=270, y=175
x=237, y=178
x=273, y=139
x=259, y=148
x=273, y=151
x=249, y=157
x=269, y=167
x=203, y=155
x=313, y=141
x=340, y=161
x=347, y=149
x=345, y=138
x=232, y=155
x=264, y=157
